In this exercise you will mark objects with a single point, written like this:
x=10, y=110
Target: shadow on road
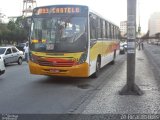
x=81, y=83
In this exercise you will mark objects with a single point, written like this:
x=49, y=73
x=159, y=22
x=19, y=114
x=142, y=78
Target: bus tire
x=114, y=57
x=98, y=66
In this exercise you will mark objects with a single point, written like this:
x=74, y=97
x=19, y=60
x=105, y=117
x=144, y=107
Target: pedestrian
x=139, y=46
x=142, y=45
x=26, y=51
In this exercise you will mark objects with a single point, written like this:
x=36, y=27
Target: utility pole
x=139, y=26
x=131, y=88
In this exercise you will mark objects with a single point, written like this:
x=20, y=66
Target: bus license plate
x=54, y=71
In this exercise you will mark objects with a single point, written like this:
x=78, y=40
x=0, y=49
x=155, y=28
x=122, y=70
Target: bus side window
x=117, y=33
x=99, y=28
x=103, y=29
x=114, y=32
x=93, y=27
x=107, y=30
x=110, y=31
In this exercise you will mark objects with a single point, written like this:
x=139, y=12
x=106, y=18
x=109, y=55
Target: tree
x=22, y=29
x=15, y=31
x=3, y=32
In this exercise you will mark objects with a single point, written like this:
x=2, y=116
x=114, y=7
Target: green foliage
x=14, y=31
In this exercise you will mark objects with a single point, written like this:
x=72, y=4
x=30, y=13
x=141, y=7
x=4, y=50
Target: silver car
x=2, y=67
x=11, y=55
x=123, y=47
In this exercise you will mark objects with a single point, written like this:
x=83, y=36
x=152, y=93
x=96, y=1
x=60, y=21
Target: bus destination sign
x=57, y=10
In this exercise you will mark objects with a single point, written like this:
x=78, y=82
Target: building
x=154, y=24
x=123, y=28
x=28, y=6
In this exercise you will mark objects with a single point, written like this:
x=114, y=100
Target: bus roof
x=95, y=13
x=61, y=5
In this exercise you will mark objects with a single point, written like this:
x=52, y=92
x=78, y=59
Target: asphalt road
x=23, y=93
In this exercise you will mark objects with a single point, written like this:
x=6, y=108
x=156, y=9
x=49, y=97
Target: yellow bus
x=71, y=40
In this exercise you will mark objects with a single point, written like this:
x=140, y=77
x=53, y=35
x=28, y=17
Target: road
x=21, y=92
x=153, y=54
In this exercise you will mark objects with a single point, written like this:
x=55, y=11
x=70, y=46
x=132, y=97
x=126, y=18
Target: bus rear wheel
x=98, y=66
x=114, y=57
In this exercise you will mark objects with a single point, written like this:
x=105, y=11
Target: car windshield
x=2, y=50
x=59, y=34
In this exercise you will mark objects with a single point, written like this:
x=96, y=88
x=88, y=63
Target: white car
x=2, y=67
x=123, y=47
x=11, y=55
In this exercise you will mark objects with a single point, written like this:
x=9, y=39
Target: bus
x=71, y=41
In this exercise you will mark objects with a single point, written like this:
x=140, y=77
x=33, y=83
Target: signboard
x=50, y=46
x=60, y=9
x=131, y=45
x=130, y=51
x=131, y=33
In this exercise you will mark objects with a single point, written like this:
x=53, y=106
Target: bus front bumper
x=81, y=70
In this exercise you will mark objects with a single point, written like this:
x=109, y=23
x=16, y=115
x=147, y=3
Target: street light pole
x=131, y=88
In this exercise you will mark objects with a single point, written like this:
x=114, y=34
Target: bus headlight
x=33, y=58
x=82, y=58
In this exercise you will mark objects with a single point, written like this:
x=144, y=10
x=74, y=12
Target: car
x=2, y=67
x=11, y=54
x=123, y=47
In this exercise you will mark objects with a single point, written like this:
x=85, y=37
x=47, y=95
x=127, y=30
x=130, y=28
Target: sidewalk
x=108, y=101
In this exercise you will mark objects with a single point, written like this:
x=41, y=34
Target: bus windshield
x=59, y=34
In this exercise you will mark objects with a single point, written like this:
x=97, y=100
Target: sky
x=113, y=10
